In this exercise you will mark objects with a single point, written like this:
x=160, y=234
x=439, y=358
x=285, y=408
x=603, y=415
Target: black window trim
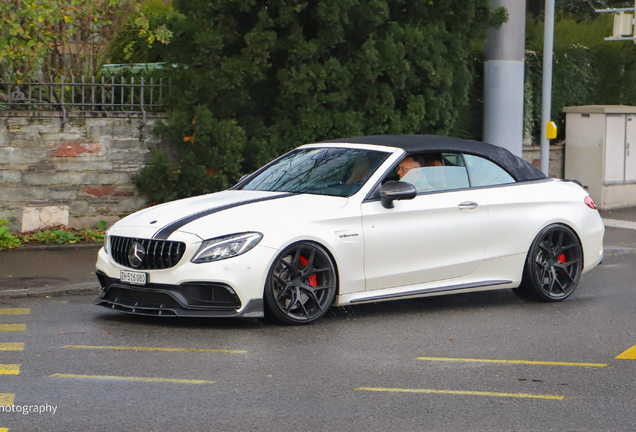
x=378, y=183
x=516, y=182
x=470, y=179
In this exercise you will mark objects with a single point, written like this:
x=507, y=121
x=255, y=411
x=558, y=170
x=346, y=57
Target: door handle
x=468, y=205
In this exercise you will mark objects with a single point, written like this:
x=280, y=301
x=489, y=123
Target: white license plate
x=135, y=278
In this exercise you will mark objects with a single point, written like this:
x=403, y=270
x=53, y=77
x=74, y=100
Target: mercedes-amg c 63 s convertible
x=351, y=221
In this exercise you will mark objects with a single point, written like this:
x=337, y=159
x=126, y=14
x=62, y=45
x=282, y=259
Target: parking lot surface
x=484, y=361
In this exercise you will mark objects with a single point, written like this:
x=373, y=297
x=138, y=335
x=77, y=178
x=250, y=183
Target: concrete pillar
x=546, y=96
x=504, y=55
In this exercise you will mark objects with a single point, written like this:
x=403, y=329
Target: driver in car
x=417, y=161
x=410, y=170
x=408, y=163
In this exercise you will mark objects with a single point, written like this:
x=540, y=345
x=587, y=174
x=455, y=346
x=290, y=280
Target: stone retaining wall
x=557, y=158
x=74, y=173
x=81, y=171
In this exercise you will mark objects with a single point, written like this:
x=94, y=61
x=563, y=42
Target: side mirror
x=396, y=190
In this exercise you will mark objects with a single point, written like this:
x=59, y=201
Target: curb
x=618, y=251
x=86, y=288
x=44, y=246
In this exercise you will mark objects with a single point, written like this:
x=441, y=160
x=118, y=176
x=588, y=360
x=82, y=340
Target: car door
x=440, y=234
x=513, y=208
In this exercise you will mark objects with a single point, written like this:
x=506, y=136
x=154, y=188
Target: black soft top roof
x=517, y=167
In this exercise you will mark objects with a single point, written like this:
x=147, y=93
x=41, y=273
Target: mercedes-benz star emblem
x=136, y=254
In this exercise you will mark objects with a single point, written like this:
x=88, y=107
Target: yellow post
x=551, y=130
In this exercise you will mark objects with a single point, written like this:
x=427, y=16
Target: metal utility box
x=600, y=152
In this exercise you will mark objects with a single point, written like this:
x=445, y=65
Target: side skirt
x=449, y=289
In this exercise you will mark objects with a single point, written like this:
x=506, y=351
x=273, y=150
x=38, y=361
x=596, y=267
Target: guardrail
x=98, y=95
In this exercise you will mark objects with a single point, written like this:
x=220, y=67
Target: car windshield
x=325, y=171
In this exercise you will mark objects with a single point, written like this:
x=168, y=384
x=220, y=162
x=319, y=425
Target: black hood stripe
x=165, y=232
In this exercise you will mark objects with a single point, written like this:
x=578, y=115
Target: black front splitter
x=253, y=309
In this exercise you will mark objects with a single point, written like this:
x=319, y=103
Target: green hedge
x=257, y=78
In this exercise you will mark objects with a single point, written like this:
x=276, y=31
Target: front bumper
x=228, y=288
x=193, y=299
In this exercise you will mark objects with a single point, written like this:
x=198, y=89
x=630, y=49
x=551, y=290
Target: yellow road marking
x=12, y=327
x=630, y=354
x=9, y=369
x=4, y=429
x=461, y=392
x=6, y=399
x=15, y=311
x=12, y=346
x=130, y=348
x=120, y=378
x=512, y=361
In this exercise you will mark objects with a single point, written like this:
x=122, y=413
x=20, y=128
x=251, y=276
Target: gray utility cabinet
x=600, y=152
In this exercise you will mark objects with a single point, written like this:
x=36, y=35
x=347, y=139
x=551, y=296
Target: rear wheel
x=301, y=284
x=553, y=266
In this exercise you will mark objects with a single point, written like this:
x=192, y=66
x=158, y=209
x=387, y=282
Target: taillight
x=589, y=202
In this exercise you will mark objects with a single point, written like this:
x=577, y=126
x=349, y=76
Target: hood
x=227, y=212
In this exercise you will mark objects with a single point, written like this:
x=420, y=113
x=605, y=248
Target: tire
x=553, y=265
x=301, y=284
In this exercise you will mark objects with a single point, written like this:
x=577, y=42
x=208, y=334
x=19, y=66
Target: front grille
x=160, y=254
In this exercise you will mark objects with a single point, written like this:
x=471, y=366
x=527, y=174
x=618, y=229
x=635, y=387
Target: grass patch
x=59, y=234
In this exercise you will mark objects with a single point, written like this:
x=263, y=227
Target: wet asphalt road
x=48, y=266
x=335, y=374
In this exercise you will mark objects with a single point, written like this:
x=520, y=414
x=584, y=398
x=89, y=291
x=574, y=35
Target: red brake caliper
x=312, y=279
x=561, y=260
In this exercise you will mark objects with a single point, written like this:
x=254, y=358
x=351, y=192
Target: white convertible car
x=351, y=221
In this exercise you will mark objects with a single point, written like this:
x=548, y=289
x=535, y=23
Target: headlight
x=106, y=237
x=226, y=247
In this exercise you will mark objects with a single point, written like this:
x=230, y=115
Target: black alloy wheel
x=301, y=284
x=553, y=266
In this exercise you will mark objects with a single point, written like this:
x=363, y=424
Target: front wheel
x=553, y=266
x=301, y=284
